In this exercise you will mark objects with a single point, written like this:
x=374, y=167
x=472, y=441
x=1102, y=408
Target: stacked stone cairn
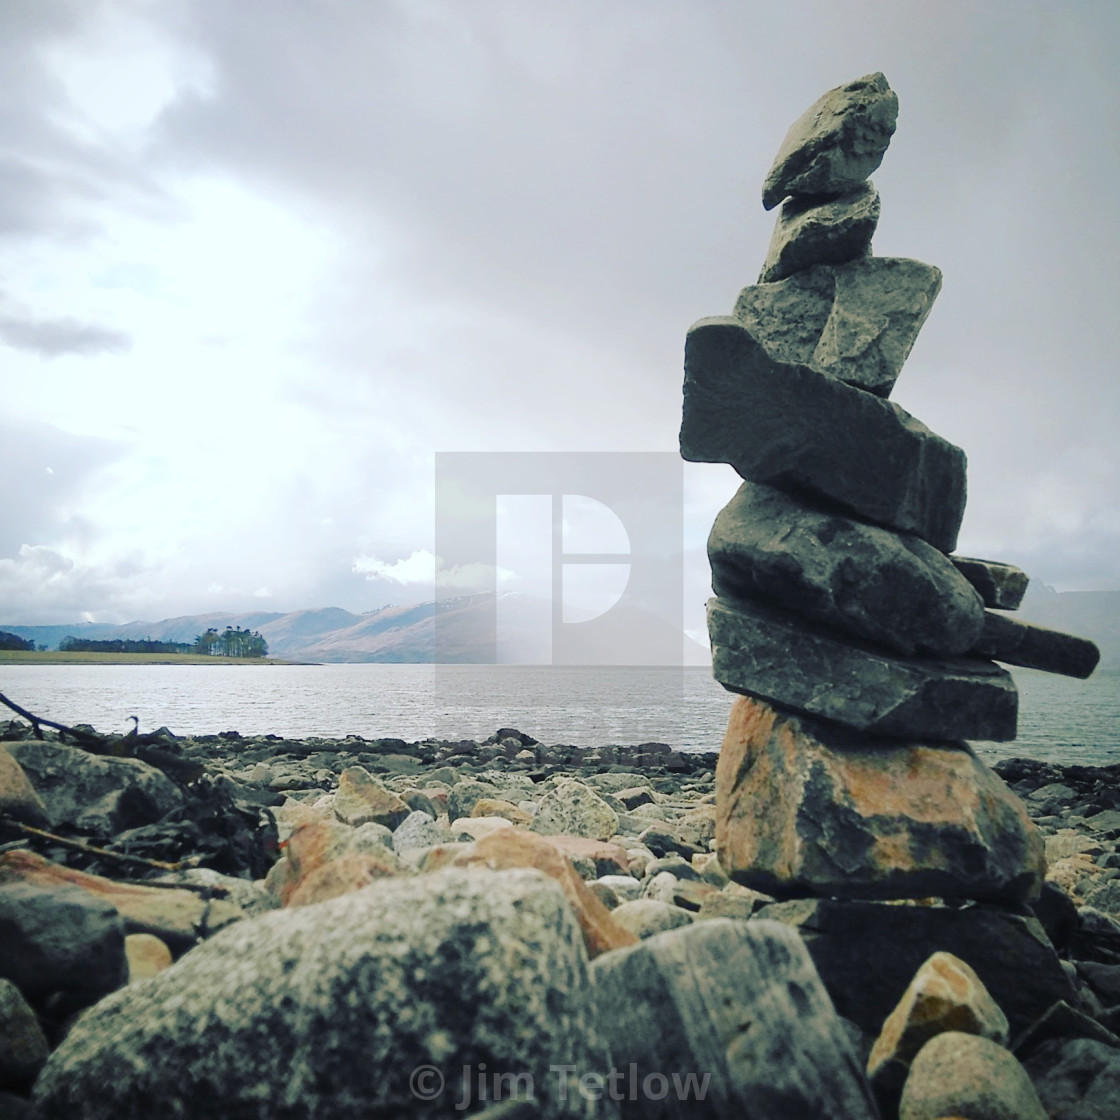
x=864, y=650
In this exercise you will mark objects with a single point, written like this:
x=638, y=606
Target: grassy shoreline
x=57, y=657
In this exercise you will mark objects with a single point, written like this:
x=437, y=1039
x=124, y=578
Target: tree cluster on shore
x=231, y=642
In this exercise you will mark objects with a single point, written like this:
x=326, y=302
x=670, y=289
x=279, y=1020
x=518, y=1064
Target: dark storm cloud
x=51, y=338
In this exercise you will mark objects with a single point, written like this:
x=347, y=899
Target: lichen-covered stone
x=774, y=655
x=805, y=808
x=95, y=794
x=362, y=798
x=740, y=1005
x=958, y=1074
x=327, y=1010
x=892, y=589
x=575, y=808
x=836, y=143
x=856, y=322
x=813, y=231
x=791, y=427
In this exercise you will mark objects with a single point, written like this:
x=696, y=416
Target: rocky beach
x=346, y=912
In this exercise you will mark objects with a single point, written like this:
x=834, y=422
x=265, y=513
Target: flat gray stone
x=793, y=428
x=740, y=1006
x=836, y=143
x=1015, y=642
x=1001, y=586
x=813, y=231
x=762, y=652
x=889, y=588
x=328, y=1009
x=856, y=322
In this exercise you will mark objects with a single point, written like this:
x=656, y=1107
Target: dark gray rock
x=60, y=939
x=888, y=588
x=1001, y=586
x=836, y=143
x=791, y=427
x=94, y=793
x=856, y=322
x=1062, y=1021
x=868, y=952
x=1095, y=937
x=1076, y=1079
x=1035, y=647
x=23, y=1046
x=1104, y=979
x=738, y=1005
x=815, y=230
x=328, y=1009
x=770, y=654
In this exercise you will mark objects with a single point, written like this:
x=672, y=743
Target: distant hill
x=403, y=634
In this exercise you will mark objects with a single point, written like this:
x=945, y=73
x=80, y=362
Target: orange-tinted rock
x=945, y=995
x=496, y=807
x=609, y=859
x=322, y=864
x=18, y=798
x=147, y=955
x=349, y=872
x=178, y=917
x=806, y=808
x=361, y=798
x=514, y=847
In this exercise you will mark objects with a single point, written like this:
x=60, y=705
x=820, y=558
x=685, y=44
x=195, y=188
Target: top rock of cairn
x=836, y=143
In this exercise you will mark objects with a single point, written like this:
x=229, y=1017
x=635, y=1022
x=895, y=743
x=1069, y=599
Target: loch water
x=1060, y=720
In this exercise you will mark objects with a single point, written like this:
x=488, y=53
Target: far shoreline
x=62, y=657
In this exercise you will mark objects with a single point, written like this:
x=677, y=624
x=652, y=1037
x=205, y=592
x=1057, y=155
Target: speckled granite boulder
x=328, y=1010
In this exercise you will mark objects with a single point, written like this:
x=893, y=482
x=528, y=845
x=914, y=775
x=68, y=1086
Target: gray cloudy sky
x=259, y=261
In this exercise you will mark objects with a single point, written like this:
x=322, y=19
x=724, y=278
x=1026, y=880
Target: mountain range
x=408, y=633
x=391, y=634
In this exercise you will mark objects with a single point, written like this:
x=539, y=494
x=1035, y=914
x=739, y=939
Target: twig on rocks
x=93, y=850
x=35, y=722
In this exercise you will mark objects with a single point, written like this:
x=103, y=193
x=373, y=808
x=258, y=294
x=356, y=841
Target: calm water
x=1059, y=719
